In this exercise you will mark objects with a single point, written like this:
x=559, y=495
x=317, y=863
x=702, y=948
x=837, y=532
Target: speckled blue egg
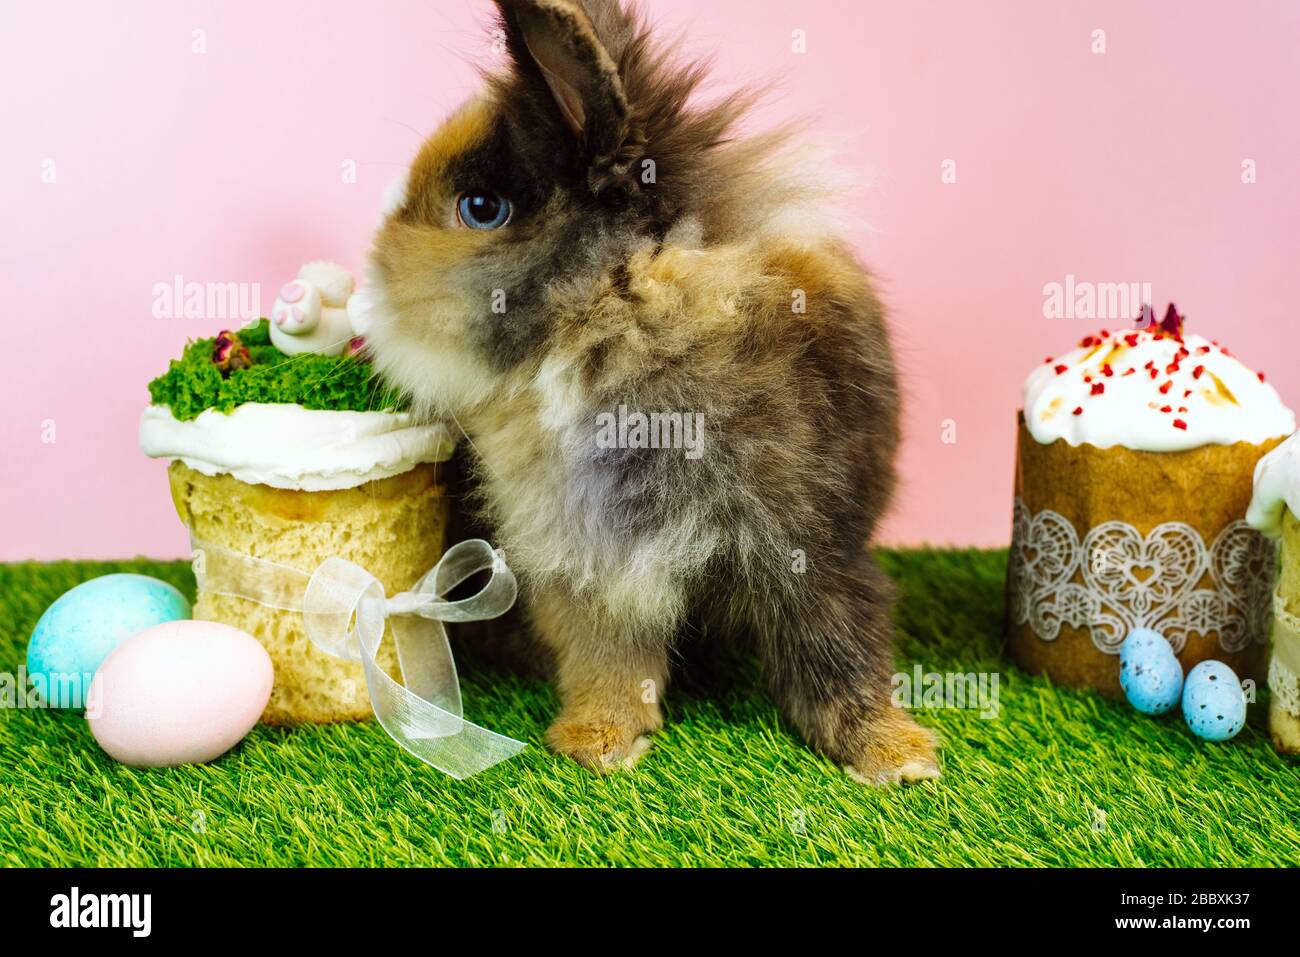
x=85, y=624
x=1142, y=643
x=1149, y=672
x=1152, y=683
x=1213, y=702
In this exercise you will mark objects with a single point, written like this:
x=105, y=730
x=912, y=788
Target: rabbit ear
x=558, y=37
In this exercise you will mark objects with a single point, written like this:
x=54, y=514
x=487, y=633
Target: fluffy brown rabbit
x=578, y=244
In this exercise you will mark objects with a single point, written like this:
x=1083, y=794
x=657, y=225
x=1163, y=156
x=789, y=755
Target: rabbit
x=577, y=247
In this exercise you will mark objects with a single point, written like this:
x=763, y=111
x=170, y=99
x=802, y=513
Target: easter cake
x=1273, y=510
x=284, y=447
x=1134, y=460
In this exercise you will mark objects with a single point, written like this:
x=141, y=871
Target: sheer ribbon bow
x=345, y=611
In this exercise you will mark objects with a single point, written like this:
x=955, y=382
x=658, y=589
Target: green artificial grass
x=1058, y=778
x=193, y=384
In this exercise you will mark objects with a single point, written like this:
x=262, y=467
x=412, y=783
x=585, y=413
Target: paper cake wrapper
x=1106, y=540
x=1284, y=665
x=392, y=527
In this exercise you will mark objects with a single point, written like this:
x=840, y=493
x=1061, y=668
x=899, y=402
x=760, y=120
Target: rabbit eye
x=483, y=209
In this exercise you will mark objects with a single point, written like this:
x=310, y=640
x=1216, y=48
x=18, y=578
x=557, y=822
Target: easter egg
x=86, y=623
x=1153, y=684
x=183, y=692
x=1213, y=703
x=1142, y=643
x=1149, y=672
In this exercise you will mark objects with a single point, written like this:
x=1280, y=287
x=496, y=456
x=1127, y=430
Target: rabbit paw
x=899, y=751
x=601, y=745
x=297, y=309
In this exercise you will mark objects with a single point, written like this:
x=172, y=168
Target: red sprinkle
x=1171, y=368
x=1166, y=408
x=1202, y=350
x=1079, y=411
x=1131, y=339
x=1186, y=393
x=1098, y=388
x=1107, y=371
x=1182, y=408
x=1165, y=388
x=1261, y=376
x=1087, y=341
x=1130, y=371
x=1196, y=373
x=1060, y=369
x=1180, y=424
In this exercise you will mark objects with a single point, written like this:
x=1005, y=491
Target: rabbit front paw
x=897, y=751
x=601, y=743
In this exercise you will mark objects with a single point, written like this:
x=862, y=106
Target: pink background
x=226, y=166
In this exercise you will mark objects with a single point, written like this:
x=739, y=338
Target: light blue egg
x=1152, y=682
x=1149, y=672
x=87, y=623
x=1213, y=702
x=1143, y=643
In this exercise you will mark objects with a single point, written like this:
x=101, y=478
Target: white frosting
x=1151, y=391
x=287, y=446
x=1277, y=486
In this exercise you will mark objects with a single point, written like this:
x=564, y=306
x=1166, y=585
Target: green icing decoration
x=192, y=383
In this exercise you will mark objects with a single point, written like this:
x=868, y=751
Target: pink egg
x=183, y=692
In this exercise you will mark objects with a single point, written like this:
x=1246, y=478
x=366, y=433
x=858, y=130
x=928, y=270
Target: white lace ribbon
x=1284, y=669
x=344, y=610
x=1112, y=579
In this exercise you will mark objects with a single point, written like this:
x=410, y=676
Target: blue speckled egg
x=1150, y=673
x=86, y=623
x=1142, y=642
x=1213, y=702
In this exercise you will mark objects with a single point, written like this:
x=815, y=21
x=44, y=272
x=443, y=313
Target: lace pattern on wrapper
x=1115, y=580
x=1282, y=678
